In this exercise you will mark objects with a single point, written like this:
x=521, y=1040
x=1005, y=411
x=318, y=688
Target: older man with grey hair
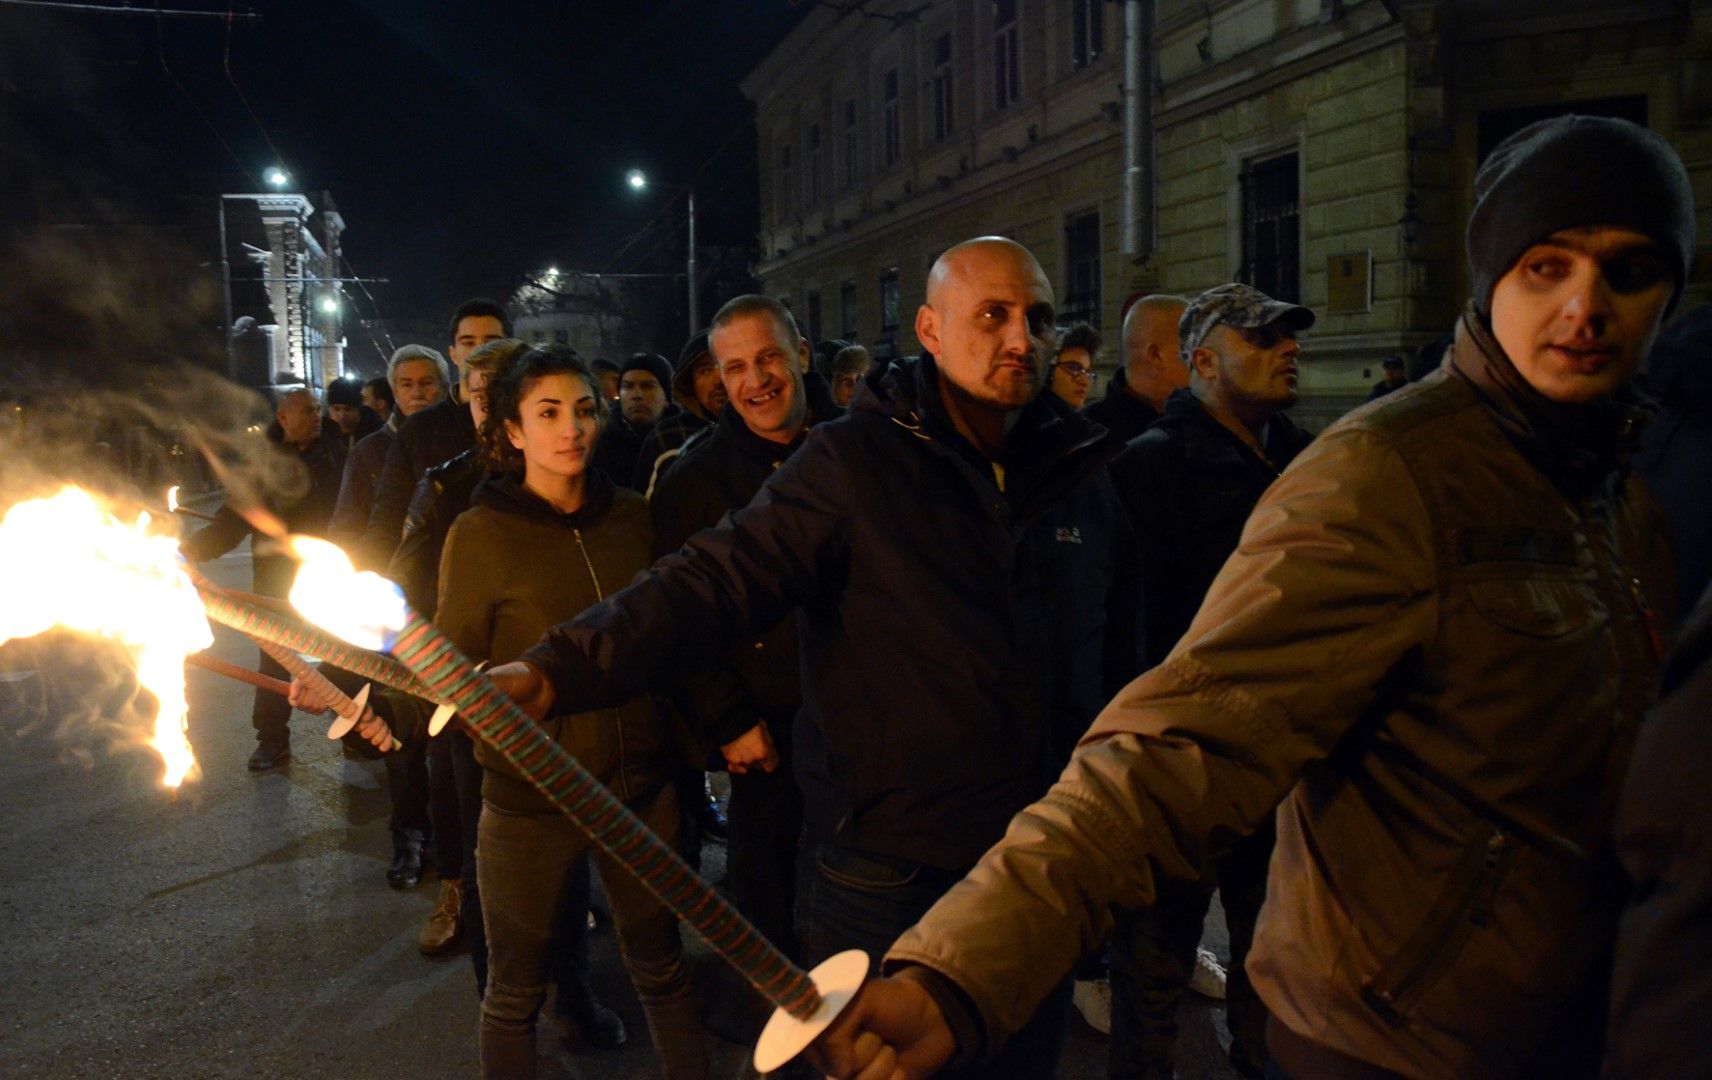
x=418, y=377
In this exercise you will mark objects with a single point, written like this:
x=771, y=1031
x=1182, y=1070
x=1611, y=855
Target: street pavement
x=243, y=927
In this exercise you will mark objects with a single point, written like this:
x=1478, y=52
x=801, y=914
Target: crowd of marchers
x=1009, y=679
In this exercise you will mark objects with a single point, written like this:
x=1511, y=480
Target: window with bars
x=1006, y=81
x=814, y=164
x=889, y=301
x=1272, y=227
x=847, y=310
x=814, y=314
x=891, y=122
x=850, y=170
x=1081, y=269
x=1087, y=32
x=942, y=121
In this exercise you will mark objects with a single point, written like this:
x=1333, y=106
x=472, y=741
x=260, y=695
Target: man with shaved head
x=1151, y=369
x=952, y=550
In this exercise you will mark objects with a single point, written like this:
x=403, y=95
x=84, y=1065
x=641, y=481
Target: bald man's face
x=989, y=322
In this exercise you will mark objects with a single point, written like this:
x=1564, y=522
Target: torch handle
x=349, y=711
x=497, y=721
x=242, y=674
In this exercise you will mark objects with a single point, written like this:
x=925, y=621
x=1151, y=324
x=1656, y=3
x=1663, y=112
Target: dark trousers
x=271, y=714
x=1153, y=955
x=407, y=788
x=445, y=802
x=766, y=815
x=851, y=900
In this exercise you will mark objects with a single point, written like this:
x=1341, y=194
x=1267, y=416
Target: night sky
x=464, y=143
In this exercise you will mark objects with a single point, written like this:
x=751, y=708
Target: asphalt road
x=243, y=925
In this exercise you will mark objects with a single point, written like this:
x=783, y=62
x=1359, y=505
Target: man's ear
x=802, y=355
x=927, y=328
x=1205, y=363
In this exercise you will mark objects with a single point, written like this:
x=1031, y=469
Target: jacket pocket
x=869, y=873
x=1463, y=906
x=1540, y=607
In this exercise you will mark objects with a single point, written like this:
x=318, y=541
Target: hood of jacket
x=506, y=493
x=1578, y=447
x=683, y=377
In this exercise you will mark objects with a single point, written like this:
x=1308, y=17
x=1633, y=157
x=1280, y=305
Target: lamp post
x=638, y=181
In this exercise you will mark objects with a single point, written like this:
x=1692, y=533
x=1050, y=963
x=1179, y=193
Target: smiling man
x=949, y=549
x=1433, y=645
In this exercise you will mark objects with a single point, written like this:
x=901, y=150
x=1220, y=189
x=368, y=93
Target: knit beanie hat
x=345, y=392
x=1574, y=171
x=653, y=363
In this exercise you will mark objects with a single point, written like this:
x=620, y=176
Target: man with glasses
x=1189, y=483
x=1073, y=374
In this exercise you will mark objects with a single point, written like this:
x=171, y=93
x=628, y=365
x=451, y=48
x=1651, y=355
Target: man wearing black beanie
x=642, y=403
x=1426, y=662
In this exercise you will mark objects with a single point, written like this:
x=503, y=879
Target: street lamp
x=277, y=177
x=329, y=305
x=638, y=181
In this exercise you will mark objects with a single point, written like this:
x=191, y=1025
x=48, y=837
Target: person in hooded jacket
x=700, y=396
x=1426, y=662
x=643, y=404
x=942, y=545
x=546, y=536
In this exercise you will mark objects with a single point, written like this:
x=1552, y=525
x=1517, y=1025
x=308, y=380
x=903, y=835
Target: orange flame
x=72, y=562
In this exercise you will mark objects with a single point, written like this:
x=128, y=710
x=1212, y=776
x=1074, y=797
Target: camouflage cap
x=1242, y=306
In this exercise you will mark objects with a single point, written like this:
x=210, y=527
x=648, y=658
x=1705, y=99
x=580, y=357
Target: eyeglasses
x=1078, y=372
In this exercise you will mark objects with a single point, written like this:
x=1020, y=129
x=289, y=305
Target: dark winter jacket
x=513, y=566
x=670, y=433
x=924, y=601
x=357, y=491
x=1121, y=412
x=1189, y=484
x=438, y=433
x=720, y=471
x=620, y=446
x=442, y=494
x=321, y=465
x=1662, y=979
x=1434, y=644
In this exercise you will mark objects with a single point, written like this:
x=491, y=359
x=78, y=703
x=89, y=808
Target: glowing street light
x=637, y=179
x=330, y=305
x=276, y=177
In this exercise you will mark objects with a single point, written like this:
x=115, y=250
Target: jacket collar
x=1282, y=439
x=1576, y=446
x=731, y=427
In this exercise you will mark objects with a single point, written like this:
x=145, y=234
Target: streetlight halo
x=277, y=177
x=637, y=179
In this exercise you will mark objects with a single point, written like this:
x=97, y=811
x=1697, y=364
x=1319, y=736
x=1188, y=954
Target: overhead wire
x=160, y=43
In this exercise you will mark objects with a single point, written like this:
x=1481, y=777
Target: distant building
x=298, y=336
x=600, y=315
x=1323, y=150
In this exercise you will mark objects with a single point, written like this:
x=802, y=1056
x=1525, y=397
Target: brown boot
x=442, y=931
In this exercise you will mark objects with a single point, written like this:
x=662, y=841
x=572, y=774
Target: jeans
x=766, y=815
x=527, y=861
x=854, y=900
x=467, y=780
x=445, y=803
x=1153, y=955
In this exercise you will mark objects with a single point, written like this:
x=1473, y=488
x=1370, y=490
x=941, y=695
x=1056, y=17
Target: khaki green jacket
x=513, y=567
x=1433, y=646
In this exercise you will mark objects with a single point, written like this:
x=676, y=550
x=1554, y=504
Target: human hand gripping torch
x=370, y=612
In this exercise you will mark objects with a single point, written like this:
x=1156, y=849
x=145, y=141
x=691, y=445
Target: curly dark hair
x=514, y=376
x=1080, y=336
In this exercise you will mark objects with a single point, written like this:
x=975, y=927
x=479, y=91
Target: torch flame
x=71, y=562
x=172, y=499
x=364, y=608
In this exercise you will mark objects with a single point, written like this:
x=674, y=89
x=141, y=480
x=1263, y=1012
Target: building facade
x=1323, y=150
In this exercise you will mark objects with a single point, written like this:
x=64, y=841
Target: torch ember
x=71, y=562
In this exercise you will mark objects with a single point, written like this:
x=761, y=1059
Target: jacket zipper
x=1466, y=904
x=617, y=715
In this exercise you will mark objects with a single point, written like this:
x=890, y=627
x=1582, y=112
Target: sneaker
x=441, y=933
x=269, y=756
x=1208, y=979
x=1093, y=999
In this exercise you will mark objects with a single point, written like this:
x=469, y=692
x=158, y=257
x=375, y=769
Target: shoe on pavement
x=406, y=869
x=1208, y=979
x=269, y=756
x=1093, y=999
x=586, y=1021
x=709, y=815
x=443, y=930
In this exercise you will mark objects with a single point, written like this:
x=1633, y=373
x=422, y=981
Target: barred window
x=1272, y=227
x=1081, y=269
